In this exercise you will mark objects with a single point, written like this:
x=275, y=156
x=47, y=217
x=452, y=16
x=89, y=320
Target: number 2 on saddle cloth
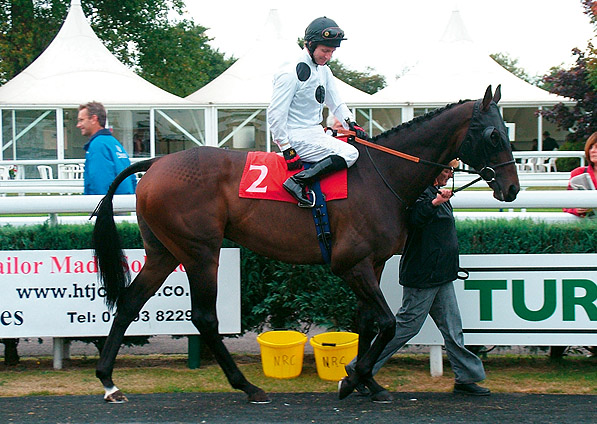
x=263, y=176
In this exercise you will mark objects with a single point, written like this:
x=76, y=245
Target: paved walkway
x=226, y=408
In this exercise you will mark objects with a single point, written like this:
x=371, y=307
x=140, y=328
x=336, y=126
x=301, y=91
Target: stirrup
x=310, y=205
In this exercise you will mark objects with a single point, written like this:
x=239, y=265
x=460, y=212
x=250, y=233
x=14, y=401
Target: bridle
x=492, y=138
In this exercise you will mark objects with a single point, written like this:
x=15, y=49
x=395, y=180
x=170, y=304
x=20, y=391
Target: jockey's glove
x=293, y=160
x=359, y=131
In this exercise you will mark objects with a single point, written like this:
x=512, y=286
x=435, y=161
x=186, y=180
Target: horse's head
x=487, y=149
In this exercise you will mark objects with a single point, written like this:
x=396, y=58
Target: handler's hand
x=443, y=195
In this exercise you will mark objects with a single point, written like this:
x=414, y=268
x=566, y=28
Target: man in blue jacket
x=104, y=155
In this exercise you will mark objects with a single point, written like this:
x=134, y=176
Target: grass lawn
x=403, y=373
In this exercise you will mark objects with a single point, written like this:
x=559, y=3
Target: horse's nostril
x=513, y=191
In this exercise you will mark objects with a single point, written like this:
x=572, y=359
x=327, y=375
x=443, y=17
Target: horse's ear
x=487, y=98
x=498, y=94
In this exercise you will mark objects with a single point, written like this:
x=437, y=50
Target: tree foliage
x=178, y=58
x=511, y=65
x=140, y=33
x=366, y=81
x=580, y=84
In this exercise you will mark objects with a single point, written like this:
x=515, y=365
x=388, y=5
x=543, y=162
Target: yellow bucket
x=282, y=353
x=333, y=351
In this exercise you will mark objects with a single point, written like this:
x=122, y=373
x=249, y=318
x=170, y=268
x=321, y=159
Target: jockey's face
x=323, y=54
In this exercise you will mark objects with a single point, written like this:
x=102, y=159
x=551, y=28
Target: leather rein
x=487, y=173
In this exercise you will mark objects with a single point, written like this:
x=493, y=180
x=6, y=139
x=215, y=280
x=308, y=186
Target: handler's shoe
x=362, y=390
x=382, y=397
x=471, y=389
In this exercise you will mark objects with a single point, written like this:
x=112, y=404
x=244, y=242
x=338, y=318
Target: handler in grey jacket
x=428, y=267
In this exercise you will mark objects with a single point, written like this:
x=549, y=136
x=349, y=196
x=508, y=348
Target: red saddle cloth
x=265, y=172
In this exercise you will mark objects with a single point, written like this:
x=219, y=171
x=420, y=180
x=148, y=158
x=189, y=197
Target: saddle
x=265, y=172
x=263, y=176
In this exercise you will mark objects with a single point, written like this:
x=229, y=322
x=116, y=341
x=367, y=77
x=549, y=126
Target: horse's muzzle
x=504, y=195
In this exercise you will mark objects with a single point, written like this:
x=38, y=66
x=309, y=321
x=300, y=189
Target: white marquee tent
x=237, y=100
x=249, y=80
x=38, y=106
x=76, y=67
x=457, y=68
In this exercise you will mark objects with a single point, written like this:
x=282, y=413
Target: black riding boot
x=297, y=184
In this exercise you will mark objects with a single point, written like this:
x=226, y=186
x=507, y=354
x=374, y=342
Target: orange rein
x=378, y=147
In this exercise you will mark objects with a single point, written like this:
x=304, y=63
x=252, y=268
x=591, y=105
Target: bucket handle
x=338, y=344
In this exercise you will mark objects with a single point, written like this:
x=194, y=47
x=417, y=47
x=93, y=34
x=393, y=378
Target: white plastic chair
x=522, y=166
x=70, y=172
x=551, y=165
x=45, y=172
x=529, y=165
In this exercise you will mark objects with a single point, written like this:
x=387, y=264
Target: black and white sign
x=55, y=293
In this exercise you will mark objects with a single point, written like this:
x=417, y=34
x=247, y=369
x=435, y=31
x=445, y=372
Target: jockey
x=296, y=111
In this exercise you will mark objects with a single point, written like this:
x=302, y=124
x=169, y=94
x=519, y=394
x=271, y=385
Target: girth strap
x=321, y=221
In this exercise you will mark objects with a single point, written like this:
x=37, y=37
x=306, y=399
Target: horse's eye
x=495, y=138
x=491, y=135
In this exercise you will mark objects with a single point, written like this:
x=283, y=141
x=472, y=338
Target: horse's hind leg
x=157, y=267
x=203, y=284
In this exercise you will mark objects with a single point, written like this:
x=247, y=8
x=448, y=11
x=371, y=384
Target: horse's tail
x=112, y=267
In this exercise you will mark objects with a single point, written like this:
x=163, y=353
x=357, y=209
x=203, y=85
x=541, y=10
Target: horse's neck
x=436, y=140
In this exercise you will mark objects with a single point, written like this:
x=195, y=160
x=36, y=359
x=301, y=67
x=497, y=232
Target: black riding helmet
x=323, y=31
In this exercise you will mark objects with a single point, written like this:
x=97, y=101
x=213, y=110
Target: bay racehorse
x=188, y=202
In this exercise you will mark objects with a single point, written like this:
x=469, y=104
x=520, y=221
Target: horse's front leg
x=363, y=281
x=366, y=327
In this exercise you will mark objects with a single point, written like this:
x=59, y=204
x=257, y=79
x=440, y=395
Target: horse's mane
x=417, y=121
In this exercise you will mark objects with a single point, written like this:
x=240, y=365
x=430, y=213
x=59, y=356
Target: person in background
x=104, y=155
x=428, y=267
x=295, y=113
x=590, y=169
x=548, y=142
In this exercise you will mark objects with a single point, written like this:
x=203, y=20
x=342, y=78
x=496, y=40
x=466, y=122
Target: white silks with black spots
x=301, y=90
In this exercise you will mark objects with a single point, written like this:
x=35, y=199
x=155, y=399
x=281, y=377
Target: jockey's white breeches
x=313, y=144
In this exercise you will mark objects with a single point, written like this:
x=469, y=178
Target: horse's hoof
x=116, y=397
x=259, y=398
x=345, y=387
x=382, y=397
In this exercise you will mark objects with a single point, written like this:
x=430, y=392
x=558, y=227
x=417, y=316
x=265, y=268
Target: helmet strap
x=311, y=46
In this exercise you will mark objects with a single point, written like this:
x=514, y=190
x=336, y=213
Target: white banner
x=518, y=300
x=55, y=293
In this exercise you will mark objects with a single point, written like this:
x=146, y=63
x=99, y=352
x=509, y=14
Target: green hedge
x=291, y=296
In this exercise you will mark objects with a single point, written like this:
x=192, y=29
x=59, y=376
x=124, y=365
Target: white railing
x=551, y=154
x=534, y=179
x=55, y=205
x=75, y=186
x=39, y=186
